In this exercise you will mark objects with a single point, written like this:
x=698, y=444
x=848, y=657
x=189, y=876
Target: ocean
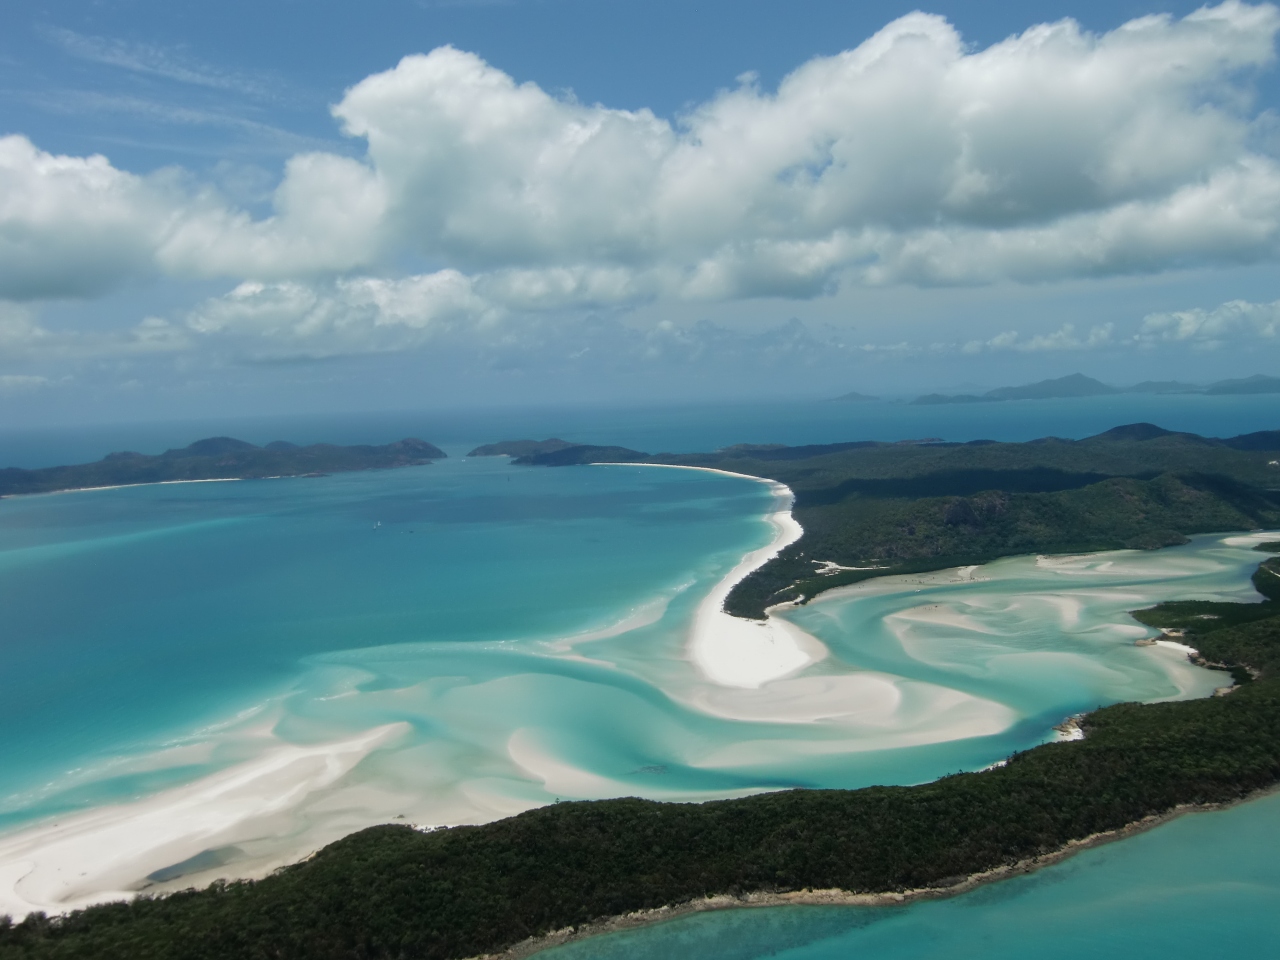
x=215, y=678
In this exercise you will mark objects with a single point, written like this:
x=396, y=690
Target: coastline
x=100, y=854
x=777, y=517
x=733, y=652
x=126, y=486
x=845, y=898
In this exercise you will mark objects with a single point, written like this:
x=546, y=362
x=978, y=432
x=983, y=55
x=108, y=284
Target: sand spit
x=844, y=898
x=733, y=652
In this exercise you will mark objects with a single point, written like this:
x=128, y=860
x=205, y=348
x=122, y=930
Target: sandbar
x=733, y=652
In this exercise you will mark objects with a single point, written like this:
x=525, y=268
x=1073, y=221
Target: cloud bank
x=910, y=159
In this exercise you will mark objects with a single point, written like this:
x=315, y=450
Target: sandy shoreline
x=126, y=486
x=100, y=854
x=844, y=898
x=742, y=670
x=730, y=651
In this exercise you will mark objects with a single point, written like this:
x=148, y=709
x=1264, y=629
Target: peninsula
x=393, y=891
x=218, y=458
x=872, y=509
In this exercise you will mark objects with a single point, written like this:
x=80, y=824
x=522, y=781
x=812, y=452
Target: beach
x=658, y=694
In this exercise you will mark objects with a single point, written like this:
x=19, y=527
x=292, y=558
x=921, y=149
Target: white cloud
x=909, y=159
x=346, y=316
x=1235, y=320
x=73, y=225
x=76, y=226
x=1054, y=153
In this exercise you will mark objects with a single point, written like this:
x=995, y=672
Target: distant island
x=393, y=891
x=853, y=397
x=1078, y=385
x=520, y=448
x=218, y=458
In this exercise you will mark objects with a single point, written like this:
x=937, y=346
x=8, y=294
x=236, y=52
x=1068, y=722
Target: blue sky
x=213, y=209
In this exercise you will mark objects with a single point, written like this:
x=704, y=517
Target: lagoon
x=213, y=679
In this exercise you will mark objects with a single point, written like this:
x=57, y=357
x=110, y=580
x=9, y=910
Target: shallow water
x=1203, y=885
x=212, y=678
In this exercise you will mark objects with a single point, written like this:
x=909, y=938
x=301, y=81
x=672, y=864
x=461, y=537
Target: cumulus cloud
x=1235, y=320
x=909, y=159
x=343, y=316
x=77, y=226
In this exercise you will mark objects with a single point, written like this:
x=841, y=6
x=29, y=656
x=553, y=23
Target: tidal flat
x=249, y=672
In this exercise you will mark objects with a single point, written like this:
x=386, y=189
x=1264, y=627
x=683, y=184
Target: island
x=218, y=458
x=520, y=448
x=1078, y=385
x=564, y=870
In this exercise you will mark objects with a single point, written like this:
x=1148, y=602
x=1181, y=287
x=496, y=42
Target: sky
x=293, y=206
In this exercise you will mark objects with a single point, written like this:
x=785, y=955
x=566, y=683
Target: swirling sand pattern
x=542, y=635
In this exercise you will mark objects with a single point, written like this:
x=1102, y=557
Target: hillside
x=922, y=505
x=218, y=458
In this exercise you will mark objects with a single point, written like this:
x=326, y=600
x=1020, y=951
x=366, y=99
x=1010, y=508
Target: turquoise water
x=239, y=672
x=136, y=616
x=1204, y=885
x=460, y=599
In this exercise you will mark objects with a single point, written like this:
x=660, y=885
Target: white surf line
x=733, y=652
x=106, y=853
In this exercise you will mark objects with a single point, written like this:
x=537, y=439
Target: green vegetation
x=912, y=506
x=902, y=535
x=1203, y=618
x=907, y=508
x=218, y=458
x=580, y=454
x=391, y=892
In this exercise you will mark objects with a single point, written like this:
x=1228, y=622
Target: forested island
x=394, y=892
x=218, y=458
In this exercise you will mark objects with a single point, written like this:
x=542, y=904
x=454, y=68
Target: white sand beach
x=505, y=743
x=106, y=853
x=733, y=652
